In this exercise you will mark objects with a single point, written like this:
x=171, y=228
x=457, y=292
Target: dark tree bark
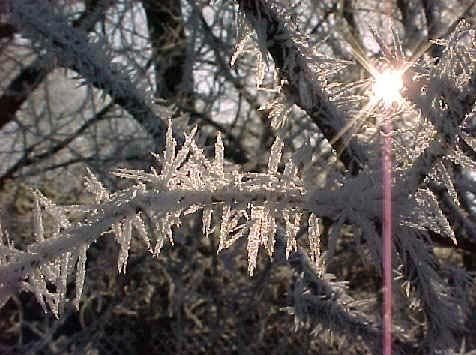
x=303, y=84
x=21, y=87
x=169, y=43
x=432, y=15
x=408, y=12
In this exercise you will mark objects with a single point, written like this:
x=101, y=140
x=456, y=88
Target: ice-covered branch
x=324, y=302
x=445, y=94
x=304, y=86
x=72, y=48
x=112, y=213
x=188, y=182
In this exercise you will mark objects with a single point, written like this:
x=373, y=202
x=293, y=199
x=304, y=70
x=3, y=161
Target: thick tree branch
x=349, y=17
x=302, y=83
x=431, y=10
x=408, y=12
x=169, y=46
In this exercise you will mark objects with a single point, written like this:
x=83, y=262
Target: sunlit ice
x=387, y=86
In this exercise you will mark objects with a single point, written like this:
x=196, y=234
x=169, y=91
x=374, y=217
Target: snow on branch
x=50, y=31
x=247, y=203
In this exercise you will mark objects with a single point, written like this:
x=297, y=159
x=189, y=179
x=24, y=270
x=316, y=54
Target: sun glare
x=387, y=86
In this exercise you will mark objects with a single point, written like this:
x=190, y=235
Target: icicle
x=264, y=229
x=158, y=245
x=292, y=227
x=275, y=156
x=125, y=243
x=139, y=225
x=314, y=239
x=271, y=232
x=160, y=238
x=225, y=227
x=254, y=237
x=80, y=274
x=169, y=154
x=61, y=283
x=206, y=221
x=38, y=229
x=218, y=162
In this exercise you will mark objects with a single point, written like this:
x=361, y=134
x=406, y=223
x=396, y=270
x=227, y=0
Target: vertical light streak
x=387, y=215
x=387, y=233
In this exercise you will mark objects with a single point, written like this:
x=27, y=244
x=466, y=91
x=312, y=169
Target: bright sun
x=387, y=86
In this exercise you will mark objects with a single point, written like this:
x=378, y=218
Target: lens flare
x=387, y=86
